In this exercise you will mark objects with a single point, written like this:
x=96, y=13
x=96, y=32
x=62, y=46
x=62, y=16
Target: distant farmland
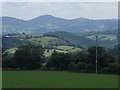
x=55, y=79
x=109, y=37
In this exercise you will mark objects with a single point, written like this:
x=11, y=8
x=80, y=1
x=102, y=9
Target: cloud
x=59, y=0
x=27, y=10
x=15, y=4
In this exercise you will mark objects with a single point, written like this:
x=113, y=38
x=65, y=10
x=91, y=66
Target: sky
x=67, y=10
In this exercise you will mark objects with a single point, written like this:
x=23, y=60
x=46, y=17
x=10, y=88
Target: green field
x=44, y=40
x=61, y=49
x=55, y=79
x=11, y=50
x=68, y=48
x=103, y=37
x=47, y=53
x=32, y=35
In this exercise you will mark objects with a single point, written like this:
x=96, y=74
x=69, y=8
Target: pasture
x=47, y=53
x=11, y=50
x=56, y=79
x=68, y=48
x=44, y=40
x=103, y=37
x=29, y=35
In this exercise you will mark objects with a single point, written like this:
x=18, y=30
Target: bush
x=105, y=70
x=90, y=67
x=71, y=66
x=29, y=57
x=8, y=62
x=81, y=66
x=114, y=68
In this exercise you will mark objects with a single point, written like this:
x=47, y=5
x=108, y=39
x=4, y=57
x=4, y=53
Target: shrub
x=8, y=62
x=81, y=66
x=105, y=70
x=114, y=68
x=90, y=67
x=71, y=66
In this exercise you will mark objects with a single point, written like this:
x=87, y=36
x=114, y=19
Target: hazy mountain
x=48, y=23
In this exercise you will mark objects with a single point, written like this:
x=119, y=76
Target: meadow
x=109, y=37
x=44, y=40
x=57, y=79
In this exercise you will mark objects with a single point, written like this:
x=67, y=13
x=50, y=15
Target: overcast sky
x=28, y=10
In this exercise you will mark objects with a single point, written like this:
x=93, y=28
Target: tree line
x=28, y=57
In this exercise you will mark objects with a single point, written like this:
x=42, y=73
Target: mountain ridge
x=47, y=15
x=48, y=23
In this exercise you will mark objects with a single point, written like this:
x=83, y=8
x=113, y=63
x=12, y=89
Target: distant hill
x=12, y=42
x=47, y=23
x=106, y=40
x=72, y=39
x=56, y=38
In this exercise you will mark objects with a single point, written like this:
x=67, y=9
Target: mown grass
x=55, y=79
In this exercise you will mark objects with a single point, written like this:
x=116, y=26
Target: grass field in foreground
x=54, y=79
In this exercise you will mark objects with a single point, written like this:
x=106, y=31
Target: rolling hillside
x=50, y=43
x=59, y=40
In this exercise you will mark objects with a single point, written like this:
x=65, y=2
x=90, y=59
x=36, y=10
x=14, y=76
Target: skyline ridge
x=48, y=15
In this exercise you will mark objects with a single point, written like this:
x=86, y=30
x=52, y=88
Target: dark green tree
x=60, y=61
x=103, y=57
x=8, y=62
x=29, y=57
x=114, y=68
x=90, y=67
x=81, y=66
x=71, y=66
x=79, y=57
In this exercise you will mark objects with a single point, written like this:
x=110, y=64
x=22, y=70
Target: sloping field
x=103, y=37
